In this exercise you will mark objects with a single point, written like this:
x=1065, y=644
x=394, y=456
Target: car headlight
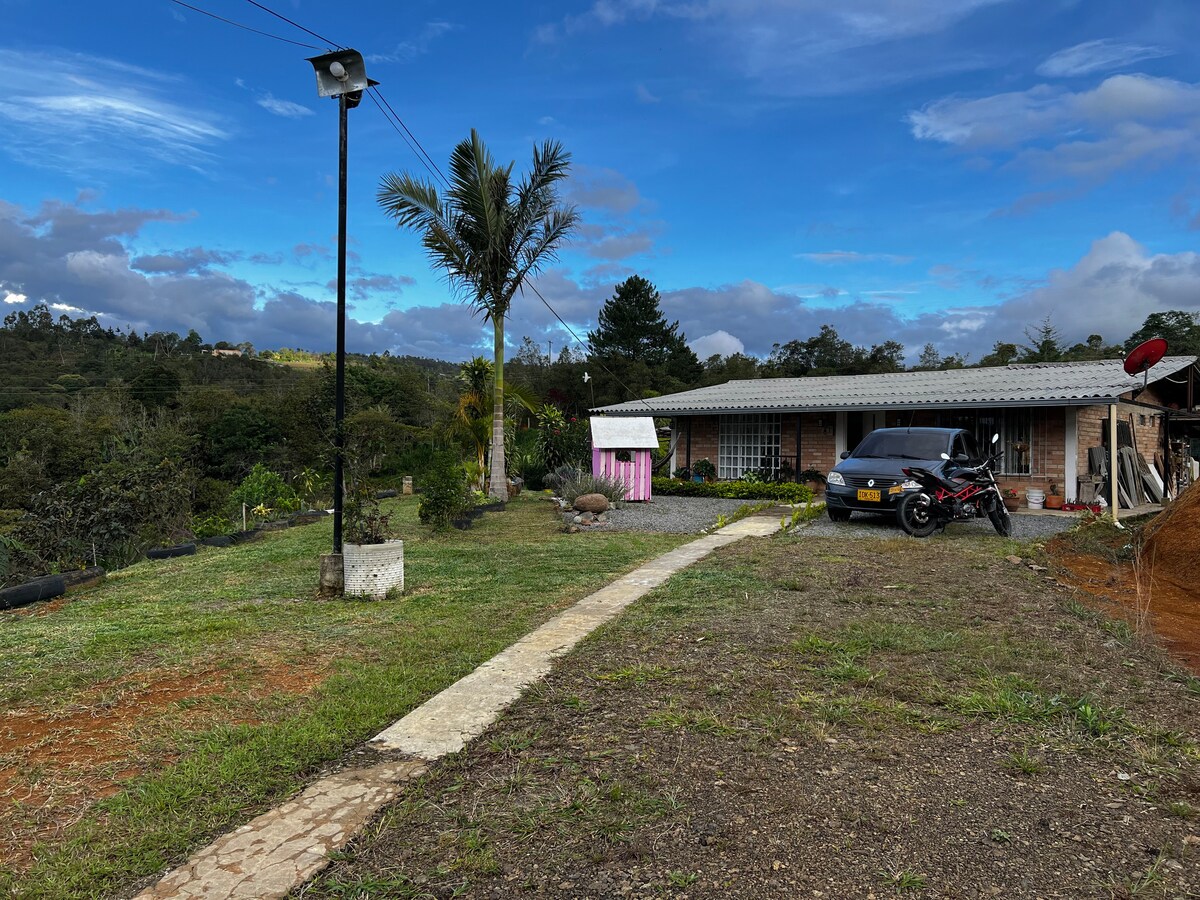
x=910, y=485
x=836, y=478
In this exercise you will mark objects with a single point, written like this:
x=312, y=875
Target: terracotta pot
x=1012, y=504
x=1054, y=501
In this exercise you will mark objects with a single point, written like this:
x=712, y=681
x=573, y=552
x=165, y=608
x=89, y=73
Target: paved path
x=283, y=848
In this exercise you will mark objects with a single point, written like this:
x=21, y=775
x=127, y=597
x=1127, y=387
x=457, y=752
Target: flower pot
x=1054, y=501
x=1012, y=504
x=371, y=570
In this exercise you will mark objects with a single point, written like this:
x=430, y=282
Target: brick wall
x=1147, y=429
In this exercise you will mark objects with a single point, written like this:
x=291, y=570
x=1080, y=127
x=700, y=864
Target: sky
x=945, y=171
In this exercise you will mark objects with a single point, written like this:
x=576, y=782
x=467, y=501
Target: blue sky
x=923, y=170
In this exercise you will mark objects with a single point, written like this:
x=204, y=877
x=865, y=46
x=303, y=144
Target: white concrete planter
x=371, y=570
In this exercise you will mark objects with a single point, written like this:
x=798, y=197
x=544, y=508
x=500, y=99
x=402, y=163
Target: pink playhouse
x=621, y=449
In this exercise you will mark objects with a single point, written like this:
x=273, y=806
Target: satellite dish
x=1144, y=357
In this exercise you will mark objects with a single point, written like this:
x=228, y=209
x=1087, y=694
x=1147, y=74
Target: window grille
x=748, y=442
x=1015, y=427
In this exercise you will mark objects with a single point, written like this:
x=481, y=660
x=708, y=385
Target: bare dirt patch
x=56, y=762
x=786, y=721
x=1143, y=576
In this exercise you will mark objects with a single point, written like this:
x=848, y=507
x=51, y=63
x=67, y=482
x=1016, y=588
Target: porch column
x=1071, y=454
x=1113, y=471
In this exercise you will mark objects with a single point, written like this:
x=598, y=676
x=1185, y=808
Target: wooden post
x=1113, y=472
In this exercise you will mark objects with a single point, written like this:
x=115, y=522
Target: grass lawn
x=804, y=716
x=184, y=696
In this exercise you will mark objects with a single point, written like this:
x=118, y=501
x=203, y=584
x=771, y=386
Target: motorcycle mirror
x=945, y=455
x=995, y=437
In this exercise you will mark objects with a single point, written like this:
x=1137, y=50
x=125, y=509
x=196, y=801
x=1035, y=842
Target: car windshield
x=902, y=445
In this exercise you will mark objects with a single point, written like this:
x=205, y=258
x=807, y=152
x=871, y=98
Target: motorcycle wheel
x=1001, y=520
x=915, y=514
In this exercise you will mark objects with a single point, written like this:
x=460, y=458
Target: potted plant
x=1054, y=500
x=1012, y=500
x=703, y=470
x=814, y=479
x=372, y=562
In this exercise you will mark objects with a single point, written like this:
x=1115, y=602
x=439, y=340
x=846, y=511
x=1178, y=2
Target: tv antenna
x=1144, y=357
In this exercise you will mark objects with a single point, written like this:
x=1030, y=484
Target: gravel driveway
x=864, y=525
x=680, y=515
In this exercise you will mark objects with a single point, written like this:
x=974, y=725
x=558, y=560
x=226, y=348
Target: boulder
x=593, y=503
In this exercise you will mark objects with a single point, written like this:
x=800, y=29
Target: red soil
x=54, y=764
x=1162, y=585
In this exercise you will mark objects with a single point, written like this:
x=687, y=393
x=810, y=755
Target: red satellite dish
x=1145, y=356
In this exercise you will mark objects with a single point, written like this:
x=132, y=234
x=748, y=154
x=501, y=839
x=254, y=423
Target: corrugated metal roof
x=624, y=434
x=1031, y=384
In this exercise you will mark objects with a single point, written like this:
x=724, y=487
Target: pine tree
x=635, y=341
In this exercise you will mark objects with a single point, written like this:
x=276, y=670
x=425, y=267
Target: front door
x=859, y=425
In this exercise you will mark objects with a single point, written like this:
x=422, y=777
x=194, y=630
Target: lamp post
x=341, y=74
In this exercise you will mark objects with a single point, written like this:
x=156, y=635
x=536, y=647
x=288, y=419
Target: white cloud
x=14, y=298
x=1097, y=56
x=1125, y=120
x=800, y=47
x=411, y=50
x=719, y=343
x=835, y=257
x=285, y=108
x=86, y=114
x=644, y=95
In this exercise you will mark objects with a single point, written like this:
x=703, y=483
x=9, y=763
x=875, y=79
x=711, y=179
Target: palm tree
x=487, y=234
x=473, y=413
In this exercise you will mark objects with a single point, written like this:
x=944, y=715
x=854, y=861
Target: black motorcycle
x=966, y=492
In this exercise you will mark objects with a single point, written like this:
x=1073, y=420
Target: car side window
x=960, y=448
x=972, y=448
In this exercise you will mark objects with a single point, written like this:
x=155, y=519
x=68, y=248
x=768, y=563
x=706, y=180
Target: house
x=621, y=448
x=1048, y=415
x=219, y=351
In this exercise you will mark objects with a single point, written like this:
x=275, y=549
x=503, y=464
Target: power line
x=422, y=155
x=284, y=18
x=436, y=170
x=585, y=345
x=205, y=12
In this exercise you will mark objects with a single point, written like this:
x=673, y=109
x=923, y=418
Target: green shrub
x=211, y=526
x=571, y=489
x=264, y=488
x=734, y=490
x=445, y=494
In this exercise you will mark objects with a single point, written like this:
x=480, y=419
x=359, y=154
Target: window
x=748, y=441
x=1015, y=427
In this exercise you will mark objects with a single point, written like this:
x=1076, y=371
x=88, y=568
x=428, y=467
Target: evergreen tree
x=637, y=344
x=1180, y=329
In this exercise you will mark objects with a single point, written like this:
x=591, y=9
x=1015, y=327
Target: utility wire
x=432, y=170
x=284, y=18
x=437, y=171
x=205, y=12
x=585, y=345
x=423, y=156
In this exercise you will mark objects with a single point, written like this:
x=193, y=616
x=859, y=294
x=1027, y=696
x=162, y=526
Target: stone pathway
x=283, y=848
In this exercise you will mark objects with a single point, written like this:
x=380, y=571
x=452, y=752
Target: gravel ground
x=680, y=515
x=864, y=525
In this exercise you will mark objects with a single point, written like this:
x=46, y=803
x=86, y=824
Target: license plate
x=869, y=496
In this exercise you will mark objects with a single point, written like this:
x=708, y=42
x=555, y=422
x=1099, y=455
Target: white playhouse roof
x=624, y=433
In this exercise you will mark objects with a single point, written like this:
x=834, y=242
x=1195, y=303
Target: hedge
x=785, y=491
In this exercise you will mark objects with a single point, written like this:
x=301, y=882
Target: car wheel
x=838, y=515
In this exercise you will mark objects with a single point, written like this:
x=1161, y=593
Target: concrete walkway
x=283, y=848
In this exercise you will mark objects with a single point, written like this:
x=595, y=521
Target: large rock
x=593, y=503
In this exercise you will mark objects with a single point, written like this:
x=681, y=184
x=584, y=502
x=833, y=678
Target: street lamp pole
x=339, y=403
x=341, y=74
